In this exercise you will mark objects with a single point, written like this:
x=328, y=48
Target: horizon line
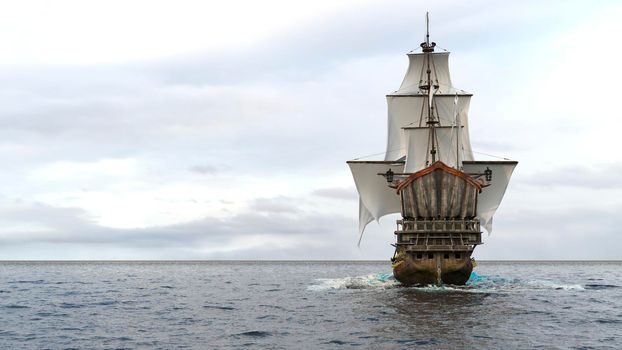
x=285, y=260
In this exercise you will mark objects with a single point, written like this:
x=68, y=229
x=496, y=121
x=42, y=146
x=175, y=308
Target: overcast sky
x=220, y=129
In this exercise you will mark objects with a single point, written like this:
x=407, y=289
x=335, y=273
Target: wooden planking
x=457, y=204
x=439, y=194
x=407, y=203
x=431, y=189
x=445, y=194
x=464, y=204
x=422, y=199
x=471, y=207
x=415, y=206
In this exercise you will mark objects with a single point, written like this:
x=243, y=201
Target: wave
x=256, y=334
x=477, y=284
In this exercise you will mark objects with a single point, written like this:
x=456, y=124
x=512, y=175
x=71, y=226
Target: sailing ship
x=430, y=176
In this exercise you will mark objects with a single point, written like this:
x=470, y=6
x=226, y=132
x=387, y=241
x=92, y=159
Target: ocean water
x=306, y=305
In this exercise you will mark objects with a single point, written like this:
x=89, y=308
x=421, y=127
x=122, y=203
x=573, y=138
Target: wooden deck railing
x=441, y=225
x=438, y=235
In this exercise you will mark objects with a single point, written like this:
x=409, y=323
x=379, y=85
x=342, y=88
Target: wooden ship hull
x=439, y=228
x=435, y=268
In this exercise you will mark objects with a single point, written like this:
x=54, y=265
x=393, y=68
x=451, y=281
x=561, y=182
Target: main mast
x=428, y=48
x=439, y=227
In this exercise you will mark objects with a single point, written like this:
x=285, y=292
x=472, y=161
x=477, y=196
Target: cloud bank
x=232, y=144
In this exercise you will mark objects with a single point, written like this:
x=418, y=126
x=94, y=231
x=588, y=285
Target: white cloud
x=72, y=171
x=96, y=32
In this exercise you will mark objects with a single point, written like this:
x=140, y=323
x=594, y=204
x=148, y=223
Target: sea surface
x=306, y=305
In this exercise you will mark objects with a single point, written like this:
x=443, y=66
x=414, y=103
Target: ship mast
x=457, y=122
x=428, y=48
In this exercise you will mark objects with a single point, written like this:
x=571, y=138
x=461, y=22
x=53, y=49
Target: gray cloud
x=548, y=233
x=205, y=169
x=599, y=176
x=275, y=205
x=311, y=234
x=337, y=193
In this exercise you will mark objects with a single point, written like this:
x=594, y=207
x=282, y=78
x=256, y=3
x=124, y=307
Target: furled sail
x=408, y=111
x=491, y=196
x=376, y=198
x=418, y=142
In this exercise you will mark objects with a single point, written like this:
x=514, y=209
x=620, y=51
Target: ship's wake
x=373, y=281
x=477, y=284
x=493, y=283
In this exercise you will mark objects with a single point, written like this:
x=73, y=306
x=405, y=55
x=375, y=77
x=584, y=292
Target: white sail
x=376, y=198
x=491, y=196
x=365, y=217
x=409, y=111
x=416, y=75
x=418, y=141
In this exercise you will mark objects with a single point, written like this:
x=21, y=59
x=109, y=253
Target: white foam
x=374, y=281
x=477, y=284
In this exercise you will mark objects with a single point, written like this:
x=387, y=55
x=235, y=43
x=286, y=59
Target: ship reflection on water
x=422, y=316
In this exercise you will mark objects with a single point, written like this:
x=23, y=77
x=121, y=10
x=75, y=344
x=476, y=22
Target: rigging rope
x=377, y=154
x=397, y=149
x=440, y=85
x=417, y=49
x=490, y=155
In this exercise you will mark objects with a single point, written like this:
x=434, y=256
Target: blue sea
x=306, y=305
